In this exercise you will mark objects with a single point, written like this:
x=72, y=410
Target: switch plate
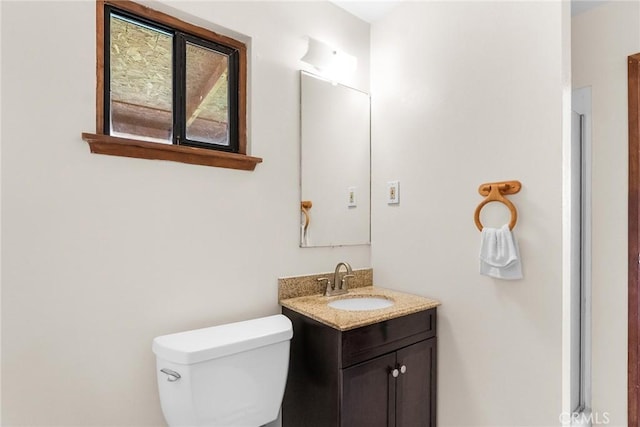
x=393, y=192
x=352, y=200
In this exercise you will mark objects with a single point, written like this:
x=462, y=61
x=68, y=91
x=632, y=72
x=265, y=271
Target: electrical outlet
x=393, y=192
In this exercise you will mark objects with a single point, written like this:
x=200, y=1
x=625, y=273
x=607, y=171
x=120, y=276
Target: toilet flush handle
x=172, y=375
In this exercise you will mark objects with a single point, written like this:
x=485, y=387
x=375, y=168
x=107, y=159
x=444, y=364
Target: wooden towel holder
x=495, y=192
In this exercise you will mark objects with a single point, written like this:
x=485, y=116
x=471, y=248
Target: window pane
x=141, y=81
x=207, y=99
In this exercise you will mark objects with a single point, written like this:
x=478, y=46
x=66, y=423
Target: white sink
x=361, y=303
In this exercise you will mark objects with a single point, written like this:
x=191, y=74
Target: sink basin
x=361, y=303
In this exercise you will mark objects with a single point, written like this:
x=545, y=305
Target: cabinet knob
x=403, y=369
x=395, y=373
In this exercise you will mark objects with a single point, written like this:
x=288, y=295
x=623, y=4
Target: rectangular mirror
x=335, y=164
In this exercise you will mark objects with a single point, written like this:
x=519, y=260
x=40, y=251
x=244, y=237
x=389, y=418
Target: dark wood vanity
x=382, y=374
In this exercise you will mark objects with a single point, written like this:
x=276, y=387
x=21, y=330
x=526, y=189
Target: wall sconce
x=329, y=62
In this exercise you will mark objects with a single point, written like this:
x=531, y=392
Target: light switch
x=393, y=192
x=352, y=200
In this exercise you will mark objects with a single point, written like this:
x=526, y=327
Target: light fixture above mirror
x=329, y=62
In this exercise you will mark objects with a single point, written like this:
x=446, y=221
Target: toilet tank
x=229, y=375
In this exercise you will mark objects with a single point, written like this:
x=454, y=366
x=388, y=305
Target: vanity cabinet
x=383, y=374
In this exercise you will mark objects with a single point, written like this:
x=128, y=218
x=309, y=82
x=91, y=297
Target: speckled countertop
x=315, y=306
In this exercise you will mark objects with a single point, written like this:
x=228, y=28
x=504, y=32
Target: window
x=168, y=89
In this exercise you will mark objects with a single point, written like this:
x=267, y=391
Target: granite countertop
x=315, y=307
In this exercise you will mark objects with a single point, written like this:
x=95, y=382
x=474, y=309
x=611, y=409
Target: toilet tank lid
x=218, y=341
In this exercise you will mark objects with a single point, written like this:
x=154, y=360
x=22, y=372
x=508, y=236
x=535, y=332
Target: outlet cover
x=393, y=192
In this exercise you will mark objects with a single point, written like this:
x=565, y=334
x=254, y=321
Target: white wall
x=602, y=38
x=100, y=254
x=465, y=93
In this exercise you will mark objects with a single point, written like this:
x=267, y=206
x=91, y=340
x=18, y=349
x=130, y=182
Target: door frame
x=633, y=363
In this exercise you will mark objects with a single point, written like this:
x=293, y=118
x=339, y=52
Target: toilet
x=227, y=375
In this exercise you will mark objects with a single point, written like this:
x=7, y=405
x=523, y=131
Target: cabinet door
x=416, y=386
x=368, y=389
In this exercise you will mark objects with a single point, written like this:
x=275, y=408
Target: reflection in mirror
x=335, y=164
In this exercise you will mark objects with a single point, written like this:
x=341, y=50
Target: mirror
x=335, y=164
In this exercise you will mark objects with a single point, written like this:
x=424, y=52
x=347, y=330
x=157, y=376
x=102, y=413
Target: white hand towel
x=499, y=254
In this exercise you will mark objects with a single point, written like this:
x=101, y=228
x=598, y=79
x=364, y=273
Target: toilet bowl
x=224, y=376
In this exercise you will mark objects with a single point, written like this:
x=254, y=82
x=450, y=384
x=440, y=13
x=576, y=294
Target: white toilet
x=227, y=375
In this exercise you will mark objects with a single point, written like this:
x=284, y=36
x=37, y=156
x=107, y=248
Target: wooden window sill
x=113, y=146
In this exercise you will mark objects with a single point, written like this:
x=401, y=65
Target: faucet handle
x=344, y=283
x=328, y=290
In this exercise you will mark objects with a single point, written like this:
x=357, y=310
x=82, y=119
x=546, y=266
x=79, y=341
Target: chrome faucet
x=340, y=285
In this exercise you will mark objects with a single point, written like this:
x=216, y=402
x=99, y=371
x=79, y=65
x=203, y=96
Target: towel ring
x=495, y=193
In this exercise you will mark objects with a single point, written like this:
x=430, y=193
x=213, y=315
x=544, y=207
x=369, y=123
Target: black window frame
x=179, y=83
